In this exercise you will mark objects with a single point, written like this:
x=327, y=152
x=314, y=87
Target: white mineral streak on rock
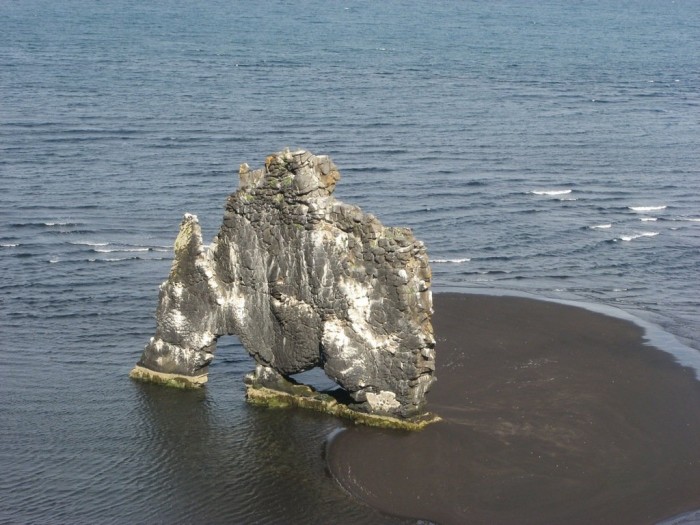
x=384, y=401
x=359, y=311
x=334, y=336
x=178, y=320
x=358, y=299
x=235, y=301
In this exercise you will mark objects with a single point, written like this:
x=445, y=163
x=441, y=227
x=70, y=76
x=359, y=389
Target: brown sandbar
x=552, y=414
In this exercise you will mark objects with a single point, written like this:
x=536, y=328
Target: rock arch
x=303, y=280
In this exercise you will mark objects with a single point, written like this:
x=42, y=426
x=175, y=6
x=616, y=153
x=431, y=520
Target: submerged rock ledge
x=305, y=281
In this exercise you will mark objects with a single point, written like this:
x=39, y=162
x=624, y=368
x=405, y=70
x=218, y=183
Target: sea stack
x=304, y=281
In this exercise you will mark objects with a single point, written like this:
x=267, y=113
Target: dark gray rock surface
x=305, y=281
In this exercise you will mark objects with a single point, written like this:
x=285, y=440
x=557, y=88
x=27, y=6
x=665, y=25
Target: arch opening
x=317, y=379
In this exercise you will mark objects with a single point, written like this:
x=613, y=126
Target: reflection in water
x=213, y=458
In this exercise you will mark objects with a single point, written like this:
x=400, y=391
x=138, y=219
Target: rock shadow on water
x=551, y=414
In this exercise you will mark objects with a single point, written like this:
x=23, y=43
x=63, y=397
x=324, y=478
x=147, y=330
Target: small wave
x=634, y=236
x=643, y=209
x=54, y=260
x=88, y=243
x=115, y=259
x=497, y=258
x=128, y=249
x=127, y=258
x=495, y=273
x=9, y=245
x=41, y=224
x=60, y=224
x=113, y=250
x=648, y=219
x=99, y=247
x=550, y=193
x=450, y=261
x=601, y=226
x=692, y=219
x=61, y=231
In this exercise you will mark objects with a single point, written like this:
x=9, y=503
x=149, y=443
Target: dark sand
x=552, y=415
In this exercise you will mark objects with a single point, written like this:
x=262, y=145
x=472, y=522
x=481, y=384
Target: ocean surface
x=549, y=148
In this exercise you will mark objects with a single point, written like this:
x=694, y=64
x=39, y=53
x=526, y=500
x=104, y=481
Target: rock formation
x=305, y=281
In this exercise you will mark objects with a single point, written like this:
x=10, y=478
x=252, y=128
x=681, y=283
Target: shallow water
x=550, y=148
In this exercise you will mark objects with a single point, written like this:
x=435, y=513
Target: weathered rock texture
x=305, y=281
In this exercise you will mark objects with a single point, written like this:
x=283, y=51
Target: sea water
x=551, y=148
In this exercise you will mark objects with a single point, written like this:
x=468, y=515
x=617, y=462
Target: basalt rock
x=305, y=281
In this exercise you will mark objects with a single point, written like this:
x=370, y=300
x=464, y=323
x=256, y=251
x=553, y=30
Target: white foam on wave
x=88, y=243
x=693, y=219
x=648, y=219
x=9, y=245
x=643, y=209
x=112, y=250
x=99, y=247
x=450, y=261
x=550, y=193
x=639, y=235
x=601, y=226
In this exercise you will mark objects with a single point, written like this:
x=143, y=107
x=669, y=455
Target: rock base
x=140, y=373
x=307, y=397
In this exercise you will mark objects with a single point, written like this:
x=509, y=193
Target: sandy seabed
x=551, y=414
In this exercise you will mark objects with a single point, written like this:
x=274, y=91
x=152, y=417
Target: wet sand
x=552, y=414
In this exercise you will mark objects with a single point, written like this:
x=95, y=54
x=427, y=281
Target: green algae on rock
x=306, y=397
x=173, y=380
